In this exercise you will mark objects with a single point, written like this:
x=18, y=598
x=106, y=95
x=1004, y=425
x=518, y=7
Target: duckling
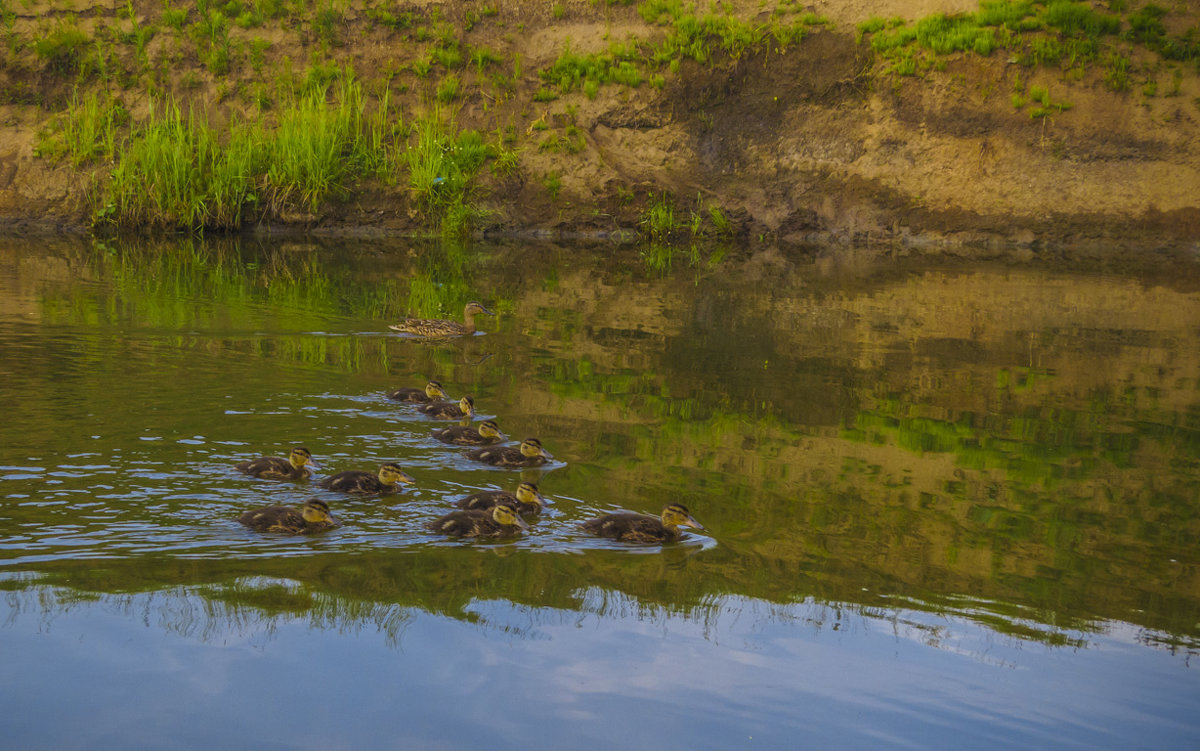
x=436, y=327
x=529, y=454
x=527, y=499
x=312, y=517
x=499, y=521
x=464, y=435
x=432, y=391
x=274, y=468
x=356, y=481
x=463, y=409
x=642, y=527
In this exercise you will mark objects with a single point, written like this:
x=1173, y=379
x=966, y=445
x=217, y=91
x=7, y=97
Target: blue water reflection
x=733, y=673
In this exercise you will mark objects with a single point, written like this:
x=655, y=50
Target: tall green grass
x=316, y=147
x=442, y=163
x=177, y=172
x=91, y=128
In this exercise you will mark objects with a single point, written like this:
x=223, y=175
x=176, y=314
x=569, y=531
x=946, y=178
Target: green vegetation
x=288, y=131
x=442, y=165
x=690, y=36
x=1065, y=33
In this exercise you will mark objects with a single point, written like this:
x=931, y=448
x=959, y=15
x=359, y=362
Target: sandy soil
x=816, y=143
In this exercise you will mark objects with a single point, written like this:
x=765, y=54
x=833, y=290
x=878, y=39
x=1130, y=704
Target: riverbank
x=782, y=122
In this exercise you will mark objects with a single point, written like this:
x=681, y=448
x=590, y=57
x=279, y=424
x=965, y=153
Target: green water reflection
x=860, y=428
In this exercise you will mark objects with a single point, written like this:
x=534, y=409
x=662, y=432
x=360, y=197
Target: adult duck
x=643, y=527
x=437, y=328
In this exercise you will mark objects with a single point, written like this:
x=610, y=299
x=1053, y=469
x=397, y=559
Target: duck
x=499, y=521
x=527, y=499
x=464, y=435
x=431, y=328
x=629, y=527
x=432, y=392
x=462, y=409
x=312, y=517
x=388, y=479
x=295, y=467
x=529, y=454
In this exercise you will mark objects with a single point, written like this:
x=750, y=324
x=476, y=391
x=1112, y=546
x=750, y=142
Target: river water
x=946, y=504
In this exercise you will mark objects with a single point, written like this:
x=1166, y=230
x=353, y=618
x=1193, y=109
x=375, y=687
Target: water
x=946, y=503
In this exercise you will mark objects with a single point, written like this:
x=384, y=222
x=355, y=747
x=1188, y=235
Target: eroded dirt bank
x=813, y=142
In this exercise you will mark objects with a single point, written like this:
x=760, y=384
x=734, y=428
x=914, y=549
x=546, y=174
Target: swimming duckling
x=642, y=527
x=527, y=499
x=529, y=454
x=465, y=435
x=274, y=468
x=312, y=517
x=462, y=409
x=500, y=521
x=432, y=391
x=437, y=327
x=356, y=481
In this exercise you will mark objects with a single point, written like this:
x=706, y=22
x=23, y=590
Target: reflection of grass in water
x=271, y=598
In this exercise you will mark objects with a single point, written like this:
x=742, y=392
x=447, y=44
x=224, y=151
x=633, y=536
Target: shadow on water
x=1012, y=443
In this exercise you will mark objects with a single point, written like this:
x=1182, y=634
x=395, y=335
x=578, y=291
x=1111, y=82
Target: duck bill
x=692, y=523
x=312, y=464
x=522, y=523
x=406, y=479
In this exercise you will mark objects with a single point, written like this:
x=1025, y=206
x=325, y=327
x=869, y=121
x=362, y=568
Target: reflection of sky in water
x=163, y=670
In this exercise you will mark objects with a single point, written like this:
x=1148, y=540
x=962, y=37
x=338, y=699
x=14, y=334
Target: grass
x=703, y=38
x=442, y=164
x=176, y=172
x=91, y=127
x=1065, y=33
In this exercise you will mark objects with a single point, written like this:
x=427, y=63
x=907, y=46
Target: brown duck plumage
x=387, y=480
x=463, y=408
x=438, y=327
x=432, y=392
x=500, y=521
x=527, y=499
x=642, y=527
x=465, y=435
x=313, y=517
x=295, y=467
x=529, y=454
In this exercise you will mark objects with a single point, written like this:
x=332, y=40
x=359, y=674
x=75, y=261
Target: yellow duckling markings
x=629, y=527
x=295, y=467
x=388, y=480
x=487, y=433
x=529, y=454
x=432, y=392
x=463, y=409
x=526, y=500
x=313, y=517
x=500, y=521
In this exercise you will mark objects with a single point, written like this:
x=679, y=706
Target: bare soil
x=816, y=143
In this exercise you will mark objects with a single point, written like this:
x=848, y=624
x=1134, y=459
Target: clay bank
x=940, y=121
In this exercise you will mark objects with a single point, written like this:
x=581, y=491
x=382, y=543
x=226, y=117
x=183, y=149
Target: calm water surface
x=947, y=504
